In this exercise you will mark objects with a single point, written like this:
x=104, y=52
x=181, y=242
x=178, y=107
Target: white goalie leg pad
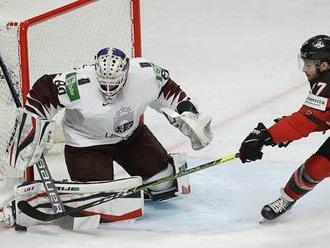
x=170, y=189
x=164, y=173
x=180, y=164
x=75, y=194
x=195, y=126
x=8, y=215
x=31, y=136
x=7, y=189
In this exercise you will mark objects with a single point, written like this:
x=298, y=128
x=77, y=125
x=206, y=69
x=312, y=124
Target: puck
x=19, y=228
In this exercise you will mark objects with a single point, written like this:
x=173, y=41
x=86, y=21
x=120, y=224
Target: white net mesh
x=57, y=43
x=8, y=116
x=21, y=10
x=9, y=48
x=72, y=39
x=10, y=57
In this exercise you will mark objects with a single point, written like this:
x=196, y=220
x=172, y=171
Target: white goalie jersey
x=89, y=119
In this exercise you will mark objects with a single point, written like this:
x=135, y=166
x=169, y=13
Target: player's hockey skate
x=278, y=207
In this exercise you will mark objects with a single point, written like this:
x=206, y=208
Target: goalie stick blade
x=33, y=212
x=29, y=210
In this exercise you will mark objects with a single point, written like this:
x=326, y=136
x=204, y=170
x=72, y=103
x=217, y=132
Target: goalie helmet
x=316, y=48
x=111, y=66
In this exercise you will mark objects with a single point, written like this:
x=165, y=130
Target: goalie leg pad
x=180, y=164
x=170, y=189
x=7, y=196
x=7, y=189
x=8, y=215
x=75, y=194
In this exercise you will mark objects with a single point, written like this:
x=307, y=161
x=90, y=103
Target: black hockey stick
x=33, y=212
x=10, y=83
x=42, y=167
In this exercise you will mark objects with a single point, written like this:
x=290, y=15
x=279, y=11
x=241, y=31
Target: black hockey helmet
x=316, y=48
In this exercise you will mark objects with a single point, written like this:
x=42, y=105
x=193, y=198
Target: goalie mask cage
x=44, y=37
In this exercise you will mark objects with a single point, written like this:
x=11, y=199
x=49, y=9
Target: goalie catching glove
x=194, y=125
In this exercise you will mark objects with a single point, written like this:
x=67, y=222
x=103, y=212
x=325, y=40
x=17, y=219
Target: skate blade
x=264, y=221
x=277, y=220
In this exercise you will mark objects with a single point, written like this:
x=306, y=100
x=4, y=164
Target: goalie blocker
x=31, y=137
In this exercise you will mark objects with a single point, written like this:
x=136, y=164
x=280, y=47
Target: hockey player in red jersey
x=313, y=116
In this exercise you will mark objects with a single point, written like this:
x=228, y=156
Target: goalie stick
x=33, y=212
x=42, y=167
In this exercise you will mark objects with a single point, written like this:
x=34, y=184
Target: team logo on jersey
x=123, y=120
x=316, y=102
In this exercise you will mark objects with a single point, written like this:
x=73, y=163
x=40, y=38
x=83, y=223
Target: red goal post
x=42, y=37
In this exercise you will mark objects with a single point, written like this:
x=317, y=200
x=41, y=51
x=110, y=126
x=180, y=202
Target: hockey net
x=43, y=37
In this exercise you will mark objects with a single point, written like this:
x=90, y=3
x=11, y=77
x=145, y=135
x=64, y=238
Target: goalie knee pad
x=75, y=194
x=170, y=189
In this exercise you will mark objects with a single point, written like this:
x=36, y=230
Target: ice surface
x=237, y=59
